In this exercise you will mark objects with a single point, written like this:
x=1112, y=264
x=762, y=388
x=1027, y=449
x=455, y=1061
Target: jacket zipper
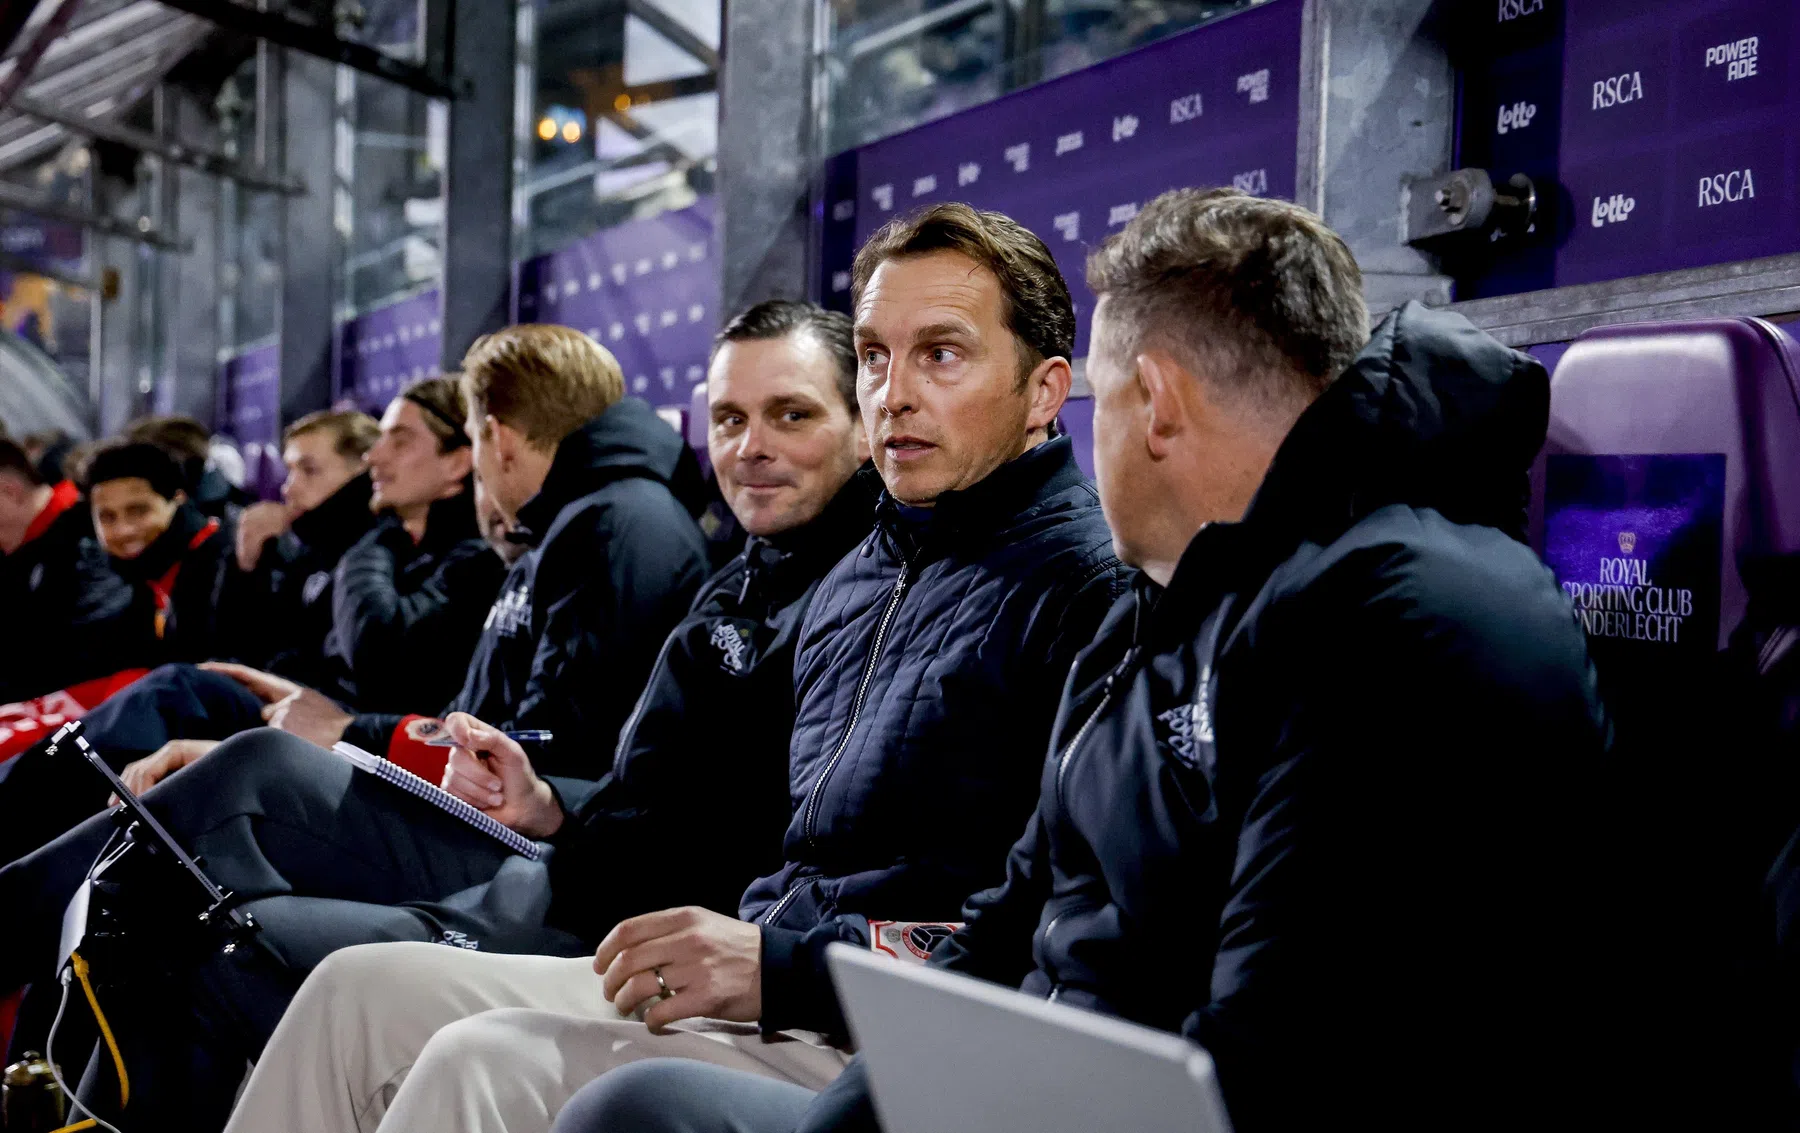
x=1068, y=752
x=862, y=691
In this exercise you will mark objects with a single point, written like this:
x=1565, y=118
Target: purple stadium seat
x=1673, y=457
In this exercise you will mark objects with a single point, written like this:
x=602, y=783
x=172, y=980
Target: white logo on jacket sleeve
x=314, y=586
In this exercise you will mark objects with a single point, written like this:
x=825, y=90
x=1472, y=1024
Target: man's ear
x=179, y=498
x=1048, y=385
x=462, y=463
x=1166, y=391
x=507, y=440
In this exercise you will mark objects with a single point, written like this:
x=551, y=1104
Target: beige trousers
x=424, y=1038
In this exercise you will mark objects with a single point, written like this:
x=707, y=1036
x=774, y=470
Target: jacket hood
x=1434, y=413
x=627, y=441
x=339, y=521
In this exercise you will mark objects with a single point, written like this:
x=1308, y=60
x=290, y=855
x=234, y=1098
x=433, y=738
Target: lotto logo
x=1511, y=10
x=696, y=312
x=620, y=272
x=1515, y=117
x=1609, y=93
x=967, y=173
x=1019, y=157
x=1068, y=143
x=923, y=185
x=1120, y=214
x=883, y=196
x=1615, y=209
x=642, y=322
x=1727, y=188
x=1255, y=84
x=1186, y=108
x=670, y=259
x=1069, y=225
x=643, y=266
x=669, y=319
x=840, y=281
x=843, y=210
x=667, y=375
x=1738, y=59
x=616, y=331
x=1124, y=127
x=1255, y=182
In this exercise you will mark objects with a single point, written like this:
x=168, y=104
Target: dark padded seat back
x=1673, y=458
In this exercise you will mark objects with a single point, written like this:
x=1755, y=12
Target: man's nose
x=900, y=394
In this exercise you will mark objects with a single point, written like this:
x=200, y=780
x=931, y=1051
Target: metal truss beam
x=194, y=157
x=143, y=231
x=321, y=43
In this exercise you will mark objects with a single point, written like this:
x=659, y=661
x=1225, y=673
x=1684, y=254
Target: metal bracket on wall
x=311, y=39
x=143, y=231
x=194, y=157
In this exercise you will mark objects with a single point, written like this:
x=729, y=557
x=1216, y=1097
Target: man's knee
x=363, y=976
x=490, y=1048
x=260, y=755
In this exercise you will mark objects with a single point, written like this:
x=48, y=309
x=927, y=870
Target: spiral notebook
x=438, y=797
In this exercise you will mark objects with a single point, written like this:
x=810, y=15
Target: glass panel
x=890, y=65
x=619, y=117
x=390, y=161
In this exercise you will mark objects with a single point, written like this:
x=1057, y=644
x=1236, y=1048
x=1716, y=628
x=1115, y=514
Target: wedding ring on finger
x=663, y=990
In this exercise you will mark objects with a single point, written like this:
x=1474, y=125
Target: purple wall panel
x=647, y=290
x=382, y=350
x=250, y=412
x=1663, y=134
x=1073, y=159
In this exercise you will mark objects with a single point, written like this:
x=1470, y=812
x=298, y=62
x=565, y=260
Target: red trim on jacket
x=62, y=497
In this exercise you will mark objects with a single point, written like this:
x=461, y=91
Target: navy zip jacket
x=405, y=615
x=1327, y=804
x=615, y=560
x=926, y=683
x=706, y=747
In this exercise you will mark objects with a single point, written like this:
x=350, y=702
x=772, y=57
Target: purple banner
x=1661, y=133
x=1075, y=158
x=250, y=395
x=647, y=290
x=250, y=412
x=1635, y=542
x=380, y=351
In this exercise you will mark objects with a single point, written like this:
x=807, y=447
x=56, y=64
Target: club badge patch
x=315, y=585
x=1189, y=726
x=912, y=941
x=733, y=649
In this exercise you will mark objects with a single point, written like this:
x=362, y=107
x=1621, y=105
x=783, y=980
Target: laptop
x=945, y=1051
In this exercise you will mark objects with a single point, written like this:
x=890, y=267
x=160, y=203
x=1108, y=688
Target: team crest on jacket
x=1190, y=725
x=510, y=613
x=909, y=940
x=731, y=646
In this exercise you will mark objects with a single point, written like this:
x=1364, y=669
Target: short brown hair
x=184, y=436
x=353, y=432
x=1258, y=293
x=778, y=318
x=544, y=380
x=1038, y=309
x=440, y=402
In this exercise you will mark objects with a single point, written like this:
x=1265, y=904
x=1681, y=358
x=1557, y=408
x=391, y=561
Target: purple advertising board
x=381, y=350
x=249, y=410
x=1073, y=159
x=647, y=290
x=1662, y=134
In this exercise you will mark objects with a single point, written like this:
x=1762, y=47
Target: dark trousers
x=41, y=796
x=323, y=856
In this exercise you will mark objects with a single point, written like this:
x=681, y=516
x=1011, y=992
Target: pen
x=526, y=737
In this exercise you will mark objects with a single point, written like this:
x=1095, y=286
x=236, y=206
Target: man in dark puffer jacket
x=926, y=677
x=1326, y=794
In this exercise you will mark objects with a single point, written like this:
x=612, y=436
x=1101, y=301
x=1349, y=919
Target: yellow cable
x=81, y=973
